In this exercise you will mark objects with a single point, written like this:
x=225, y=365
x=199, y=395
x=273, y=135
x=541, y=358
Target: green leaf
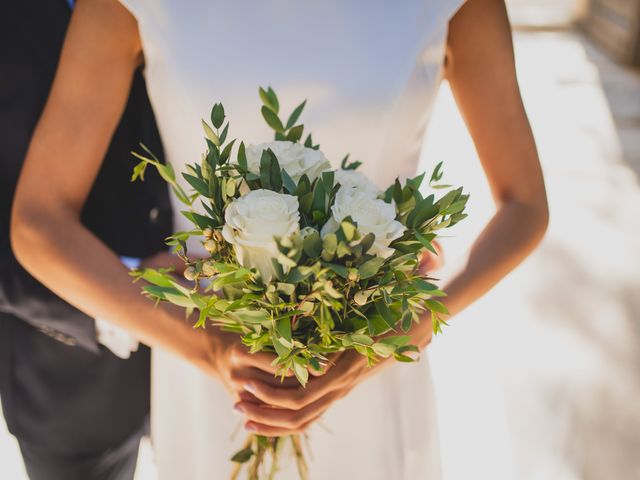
x=312, y=245
x=423, y=286
x=423, y=211
x=297, y=275
x=293, y=118
x=319, y=196
x=397, y=340
x=369, y=268
x=339, y=269
x=226, y=153
x=210, y=134
x=304, y=186
x=295, y=134
x=383, y=349
x=415, y=182
x=270, y=173
x=243, y=455
x=330, y=243
x=300, y=370
x=436, y=176
x=269, y=98
x=406, y=320
x=223, y=135
x=426, y=241
x=242, y=157
x=328, y=180
x=217, y=115
x=436, y=306
x=272, y=119
x=198, y=220
x=348, y=230
x=361, y=339
x=367, y=241
x=283, y=327
x=199, y=185
x=250, y=316
x=288, y=182
x=138, y=171
x=308, y=141
x=306, y=202
x=386, y=313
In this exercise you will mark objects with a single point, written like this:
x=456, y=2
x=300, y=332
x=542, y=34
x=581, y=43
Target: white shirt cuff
x=115, y=338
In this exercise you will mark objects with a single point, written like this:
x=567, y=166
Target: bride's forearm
x=62, y=254
x=505, y=242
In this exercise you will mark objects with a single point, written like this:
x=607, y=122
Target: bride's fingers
x=271, y=431
x=295, y=398
x=260, y=360
x=325, y=365
x=277, y=417
x=240, y=376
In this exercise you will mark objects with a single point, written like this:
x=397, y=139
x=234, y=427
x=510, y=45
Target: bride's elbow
x=21, y=233
x=28, y=230
x=537, y=216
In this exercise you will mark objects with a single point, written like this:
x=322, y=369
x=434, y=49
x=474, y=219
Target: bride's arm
x=481, y=70
x=100, y=54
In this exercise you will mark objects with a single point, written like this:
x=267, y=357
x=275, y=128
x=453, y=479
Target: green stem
x=303, y=468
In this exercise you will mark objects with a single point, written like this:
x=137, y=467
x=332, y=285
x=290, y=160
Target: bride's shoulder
x=138, y=7
x=448, y=8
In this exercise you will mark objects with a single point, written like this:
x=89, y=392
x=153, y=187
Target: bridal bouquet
x=310, y=260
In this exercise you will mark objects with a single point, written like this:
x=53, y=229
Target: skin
x=76, y=125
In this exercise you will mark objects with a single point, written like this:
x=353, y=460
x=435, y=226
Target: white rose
x=372, y=216
x=295, y=158
x=351, y=179
x=251, y=224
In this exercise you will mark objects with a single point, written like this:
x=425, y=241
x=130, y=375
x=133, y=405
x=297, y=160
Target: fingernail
x=238, y=408
x=249, y=388
x=250, y=427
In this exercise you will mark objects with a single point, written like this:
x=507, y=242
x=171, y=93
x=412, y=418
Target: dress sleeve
x=452, y=8
x=134, y=7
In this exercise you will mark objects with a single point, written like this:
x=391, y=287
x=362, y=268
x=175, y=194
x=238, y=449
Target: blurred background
x=541, y=378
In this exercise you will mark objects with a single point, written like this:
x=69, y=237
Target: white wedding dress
x=370, y=70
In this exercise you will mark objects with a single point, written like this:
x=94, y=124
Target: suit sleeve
x=24, y=297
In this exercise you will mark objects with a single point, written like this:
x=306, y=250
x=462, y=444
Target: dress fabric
x=370, y=70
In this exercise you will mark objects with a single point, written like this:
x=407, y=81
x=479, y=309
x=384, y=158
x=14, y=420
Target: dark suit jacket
x=59, y=388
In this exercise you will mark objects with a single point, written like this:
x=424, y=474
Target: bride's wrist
x=422, y=333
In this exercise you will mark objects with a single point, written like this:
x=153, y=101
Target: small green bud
x=217, y=236
x=360, y=298
x=209, y=269
x=190, y=273
x=353, y=275
x=211, y=246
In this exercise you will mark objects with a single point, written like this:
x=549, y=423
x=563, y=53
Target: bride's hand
x=277, y=410
x=234, y=366
x=296, y=407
